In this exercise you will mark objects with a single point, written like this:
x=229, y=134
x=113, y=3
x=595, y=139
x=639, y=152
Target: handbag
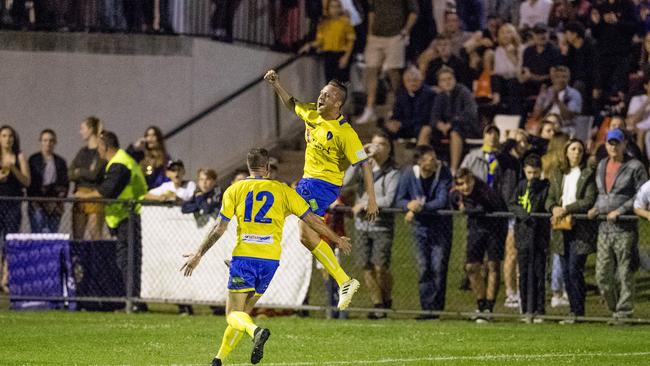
x=565, y=223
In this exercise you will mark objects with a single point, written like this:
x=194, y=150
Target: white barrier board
x=167, y=234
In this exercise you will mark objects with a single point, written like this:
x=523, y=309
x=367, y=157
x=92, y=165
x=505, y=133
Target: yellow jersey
x=332, y=145
x=261, y=206
x=335, y=34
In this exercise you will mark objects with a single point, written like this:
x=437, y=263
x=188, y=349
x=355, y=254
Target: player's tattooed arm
x=213, y=236
x=323, y=230
x=288, y=100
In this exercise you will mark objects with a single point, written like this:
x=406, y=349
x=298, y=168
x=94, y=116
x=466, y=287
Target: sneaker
x=483, y=317
x=512, y=301
x=216, y=362
x=367, y=116
x=346, y=291
x=260, y=337
x=375, y=315
x=557, y=302
x=538, y=321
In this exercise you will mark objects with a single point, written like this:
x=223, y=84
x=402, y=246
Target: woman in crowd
x=49, y=173
x=14, y=176
x=86, y=171
x=507, y=62
x=151, y=154
x=573, y=191
x=551, y=162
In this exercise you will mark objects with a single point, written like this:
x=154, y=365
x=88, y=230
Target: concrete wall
x=131, y=90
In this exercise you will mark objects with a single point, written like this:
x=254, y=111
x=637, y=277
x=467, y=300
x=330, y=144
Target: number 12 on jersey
x=260, y=217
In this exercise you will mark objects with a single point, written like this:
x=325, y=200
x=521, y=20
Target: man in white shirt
x=532, y=12
x=176, y=188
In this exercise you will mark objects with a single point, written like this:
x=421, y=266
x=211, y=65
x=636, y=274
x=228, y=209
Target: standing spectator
x=86, y=13
x=412, y=107
x=531, y=236
x=176, y=189
x=49, y=173
x=580, y=56
x=334, y=42
x=86, y=172
x=423, y=190
x=375, y=239
x=618, y=179
x=438, y=56
x=156, y=16
x=123, y=180
x=389, y=25
x=532, y=12
x=151, y=154
x=454, y=115
x=559, y=98
x=485, y=236
x=538, y=60
x=223, y=17
x=455, y=33
x=111, y=14
x=632, y=150
x=206, y=200
x=507, y=66
x=508, y=10
x=471, y=13
x=424, y=30
x=14, y=176
x=551, y=162
x=613, y=26
x=492, y=166
x=134, y=16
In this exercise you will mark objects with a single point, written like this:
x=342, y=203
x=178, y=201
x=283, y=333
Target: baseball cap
x=174, y=164
x=615, y=134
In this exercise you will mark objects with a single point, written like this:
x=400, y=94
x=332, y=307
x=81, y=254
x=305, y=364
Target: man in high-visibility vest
x=123, y=180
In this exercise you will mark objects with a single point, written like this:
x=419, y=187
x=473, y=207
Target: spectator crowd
x=438, y=77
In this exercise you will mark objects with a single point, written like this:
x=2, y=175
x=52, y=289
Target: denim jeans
x=557, y=274
x=41, y=221
x=574, y=278
x=433, y=247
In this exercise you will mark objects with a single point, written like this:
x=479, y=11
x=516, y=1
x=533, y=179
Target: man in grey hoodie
x=618, y=178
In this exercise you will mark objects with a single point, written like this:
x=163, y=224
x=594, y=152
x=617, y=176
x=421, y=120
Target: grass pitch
x=61, y=338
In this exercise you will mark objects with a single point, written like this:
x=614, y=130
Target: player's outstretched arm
x=372, y=210
x=193, y=259
x=322, y=229
x=273, y=78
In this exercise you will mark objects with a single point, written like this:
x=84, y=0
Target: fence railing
x=89, y=267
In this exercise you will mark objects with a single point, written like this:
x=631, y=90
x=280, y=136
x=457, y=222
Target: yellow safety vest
x=135, y=190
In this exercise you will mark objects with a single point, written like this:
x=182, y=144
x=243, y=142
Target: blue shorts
x=319, y=194
x=249, y=274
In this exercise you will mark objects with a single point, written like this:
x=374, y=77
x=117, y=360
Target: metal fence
x=80, y=270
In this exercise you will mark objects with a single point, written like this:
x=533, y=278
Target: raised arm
x=323, y=230
x=213, y=236
x=288, y=100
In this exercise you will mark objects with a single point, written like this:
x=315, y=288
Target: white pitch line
x=459, y=358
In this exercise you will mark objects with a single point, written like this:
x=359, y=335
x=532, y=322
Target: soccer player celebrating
x=260, y=205
x=332, y=145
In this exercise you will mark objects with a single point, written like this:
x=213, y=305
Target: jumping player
x=332, y=145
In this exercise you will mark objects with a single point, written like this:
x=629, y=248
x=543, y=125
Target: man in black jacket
x=485, y=235
x=49, y=174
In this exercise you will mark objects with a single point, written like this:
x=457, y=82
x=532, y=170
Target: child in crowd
x=532, y=235
x=176, y=189
x=206, y=201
